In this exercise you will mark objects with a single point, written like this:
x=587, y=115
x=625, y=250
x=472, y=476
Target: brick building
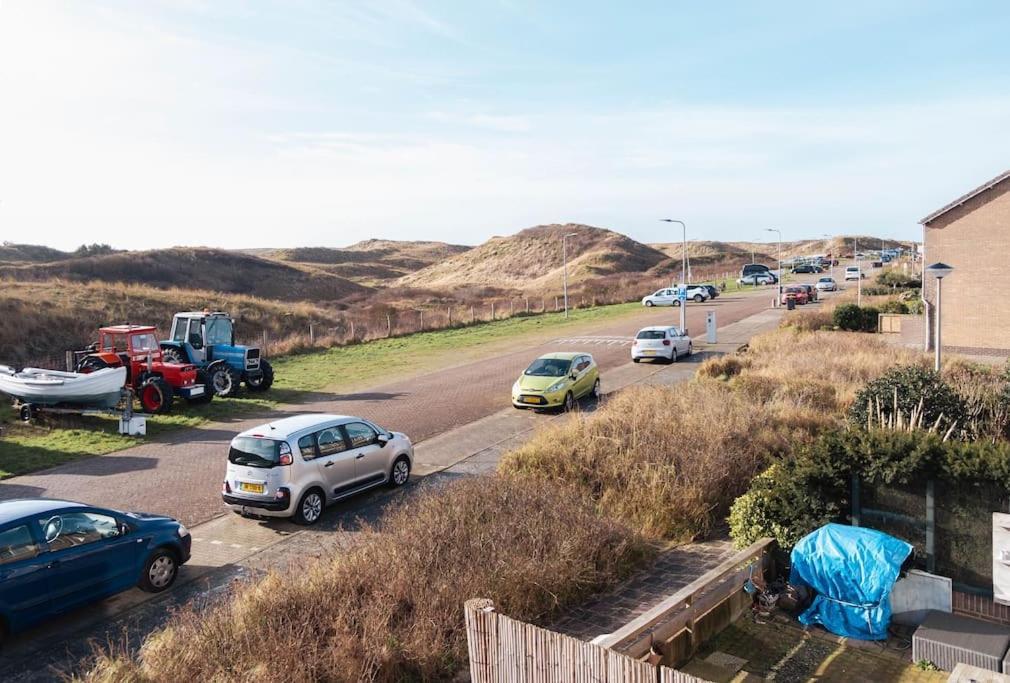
x=972, y=234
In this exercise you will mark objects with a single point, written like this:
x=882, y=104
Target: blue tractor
x=207, y=340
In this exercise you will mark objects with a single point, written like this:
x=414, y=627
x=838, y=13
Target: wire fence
x=374, y=322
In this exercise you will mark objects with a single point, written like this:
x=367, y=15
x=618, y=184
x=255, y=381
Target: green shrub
x=898, y=280
x=893, y=306
x=874, y=290
x=853, y=318
x=916, y=306
x=848, y=317
x=869, y=315
x=903, y=389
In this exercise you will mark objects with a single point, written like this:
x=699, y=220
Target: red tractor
x=155, y=382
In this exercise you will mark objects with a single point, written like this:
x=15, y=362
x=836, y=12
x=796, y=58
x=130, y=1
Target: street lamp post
x=781, y=274
x=564, y=258
x=859, y=271
x=683, y=272
x=939, y=271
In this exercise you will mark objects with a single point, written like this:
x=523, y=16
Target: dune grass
x=390, y=608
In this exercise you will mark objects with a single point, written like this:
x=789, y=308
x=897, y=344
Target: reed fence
x=505, y=650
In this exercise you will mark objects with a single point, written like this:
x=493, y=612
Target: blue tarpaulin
x=852, y=571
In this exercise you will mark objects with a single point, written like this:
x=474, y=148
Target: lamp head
x=939, y=270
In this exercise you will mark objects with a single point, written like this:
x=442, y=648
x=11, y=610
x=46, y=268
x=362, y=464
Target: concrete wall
x=975, y=239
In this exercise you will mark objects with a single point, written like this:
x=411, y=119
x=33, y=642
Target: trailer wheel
x=156, y=396
x=26, y=413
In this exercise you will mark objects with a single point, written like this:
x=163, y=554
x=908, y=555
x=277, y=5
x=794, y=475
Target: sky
x=308, y=123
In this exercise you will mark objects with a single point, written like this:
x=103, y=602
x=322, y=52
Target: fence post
x=481, y=639
x=263, y=350
x=527, y=304
x=70, y=361
x=448, y=316
x=543, y=305
x=512, y=308
x=352, y=330
x=492, y=310
x=312, y=335
x=557, y=307
x=930, y=528
x=389, y=325
x=422, y=320
x=473, y=315
x=855, y=500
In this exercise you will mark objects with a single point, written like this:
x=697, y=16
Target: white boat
x=98, y=389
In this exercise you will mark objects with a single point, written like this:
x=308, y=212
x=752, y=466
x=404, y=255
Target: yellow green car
x=557, y=380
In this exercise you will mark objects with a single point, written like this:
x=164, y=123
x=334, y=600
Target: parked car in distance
x=712, y=290
x=796, y=293
x=810, y=290
x=827, y=284
x=765, y=278
x=753, y=269
x=57, y=555
x=806, y=268
x=296, y=466
x=668, y=296
x=557, y=380
x=669, y=343
x=853, y=273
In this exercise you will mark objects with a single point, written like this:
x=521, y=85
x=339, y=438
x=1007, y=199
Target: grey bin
x=949, y=639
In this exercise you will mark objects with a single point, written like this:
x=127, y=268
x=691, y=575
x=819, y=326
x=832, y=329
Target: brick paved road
x=180, y=474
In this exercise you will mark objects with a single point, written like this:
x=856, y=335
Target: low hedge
x=908, y=389
x=853, y=318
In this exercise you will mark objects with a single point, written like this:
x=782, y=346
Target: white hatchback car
x=668, y=296
x=296, y=466
x=826, y=284
x=661, y=342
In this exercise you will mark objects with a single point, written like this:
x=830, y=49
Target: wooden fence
x=683, y=611
x=505, y=650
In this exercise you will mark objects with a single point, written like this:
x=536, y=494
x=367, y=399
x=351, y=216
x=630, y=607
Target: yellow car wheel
x=569, y=405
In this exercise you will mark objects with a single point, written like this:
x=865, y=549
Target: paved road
x=180, y=474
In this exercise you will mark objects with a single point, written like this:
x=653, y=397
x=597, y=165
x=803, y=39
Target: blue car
x=56, y=556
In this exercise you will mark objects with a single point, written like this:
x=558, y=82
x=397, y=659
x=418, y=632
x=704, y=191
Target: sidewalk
x=230, y=547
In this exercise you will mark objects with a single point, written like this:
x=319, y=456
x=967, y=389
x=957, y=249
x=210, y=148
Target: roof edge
x=965, y=197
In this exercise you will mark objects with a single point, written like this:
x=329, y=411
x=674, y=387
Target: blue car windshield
x=549, y=367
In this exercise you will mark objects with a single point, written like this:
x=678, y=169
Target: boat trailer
x=129, y=424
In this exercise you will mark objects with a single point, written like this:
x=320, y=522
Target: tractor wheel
x=174, y=355
x=156, y=396
x=224, y=381
x=264, y=380
x=208, y=391
x=90, y=364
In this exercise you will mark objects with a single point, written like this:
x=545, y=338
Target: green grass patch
x=59, y=439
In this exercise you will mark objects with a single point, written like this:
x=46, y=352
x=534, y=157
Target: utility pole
x=683, y=272
x=564, y=258
x=781, y=274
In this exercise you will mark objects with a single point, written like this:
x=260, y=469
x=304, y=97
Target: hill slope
x=370, y=262
x=197, y=268
x=532, y=259
x=30, y=253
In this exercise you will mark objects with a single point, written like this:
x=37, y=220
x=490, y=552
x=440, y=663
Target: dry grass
x=391, y=608
x=666, y=461
x=843, y=360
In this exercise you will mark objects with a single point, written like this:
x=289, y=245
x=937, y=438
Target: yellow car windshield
x=549, y=367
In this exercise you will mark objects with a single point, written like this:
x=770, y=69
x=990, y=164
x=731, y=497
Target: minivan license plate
x=252, y=488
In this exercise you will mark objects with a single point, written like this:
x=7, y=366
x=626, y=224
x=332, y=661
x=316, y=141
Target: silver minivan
x=296, y=466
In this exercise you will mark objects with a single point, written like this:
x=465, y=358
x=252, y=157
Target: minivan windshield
x=253, y=452
x=549, y=367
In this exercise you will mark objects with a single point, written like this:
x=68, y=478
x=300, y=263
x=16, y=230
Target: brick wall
x=975, y=239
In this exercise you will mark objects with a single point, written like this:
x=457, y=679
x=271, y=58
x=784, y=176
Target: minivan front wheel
x=400, y=474
x=310, y=507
